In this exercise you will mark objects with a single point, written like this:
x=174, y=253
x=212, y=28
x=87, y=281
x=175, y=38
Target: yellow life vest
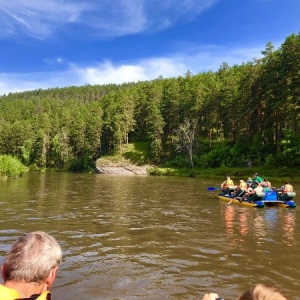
x=228, y=182
x=7, y=293
x=243, y=185
x=11, y=294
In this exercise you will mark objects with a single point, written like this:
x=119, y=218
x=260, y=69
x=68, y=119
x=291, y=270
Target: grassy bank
x=271, y=174
x=137, y=153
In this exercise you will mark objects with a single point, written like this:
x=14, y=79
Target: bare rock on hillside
x=121, y=169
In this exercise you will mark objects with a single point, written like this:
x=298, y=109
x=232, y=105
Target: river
x=144, y=237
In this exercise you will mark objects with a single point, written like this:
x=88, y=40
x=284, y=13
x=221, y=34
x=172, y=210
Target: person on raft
x=250, y=191
x=240, y=190
x=256, y=178
x=225, y=184
x=286, y=188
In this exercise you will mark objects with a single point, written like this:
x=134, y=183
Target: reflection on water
x=243, y=222
x=151, y=237
x=229, y=219
x=288, y=226
x=267, y=222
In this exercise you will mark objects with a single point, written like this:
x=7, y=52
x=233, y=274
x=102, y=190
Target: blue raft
x=273, y=198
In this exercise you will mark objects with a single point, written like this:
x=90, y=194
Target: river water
x=144, y=237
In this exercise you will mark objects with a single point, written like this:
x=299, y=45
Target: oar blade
x=211, y=188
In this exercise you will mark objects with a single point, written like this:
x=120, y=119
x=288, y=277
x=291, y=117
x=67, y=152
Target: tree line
x=240, y=115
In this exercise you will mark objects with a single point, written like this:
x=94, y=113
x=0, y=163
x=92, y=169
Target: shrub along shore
x=10, y=167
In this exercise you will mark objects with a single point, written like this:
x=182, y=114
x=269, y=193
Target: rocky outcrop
x=121, y=170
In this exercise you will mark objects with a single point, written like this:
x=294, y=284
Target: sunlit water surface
x=131, y=237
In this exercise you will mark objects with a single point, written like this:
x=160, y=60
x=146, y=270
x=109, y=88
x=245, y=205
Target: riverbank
x=272, y=174
x=108, y=165
x=134, y=159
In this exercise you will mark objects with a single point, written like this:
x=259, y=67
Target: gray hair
x=32, y=257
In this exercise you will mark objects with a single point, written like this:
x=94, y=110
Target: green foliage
x=10, y=167
x=239, y=116
x=220, y=155
x=137, y=153
x=179, y=162
x=155, y=171
x=80, y=164
x=270, y=160
x=26, y=150
x=290, y=154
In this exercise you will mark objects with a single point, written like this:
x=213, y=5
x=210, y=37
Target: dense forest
x=237, y=116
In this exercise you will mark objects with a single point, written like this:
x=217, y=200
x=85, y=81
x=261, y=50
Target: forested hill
x=238, y=115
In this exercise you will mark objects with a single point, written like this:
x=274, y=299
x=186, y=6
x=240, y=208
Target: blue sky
x=60, y=43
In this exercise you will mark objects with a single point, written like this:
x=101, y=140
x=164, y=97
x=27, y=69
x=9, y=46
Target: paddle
x=211, y=188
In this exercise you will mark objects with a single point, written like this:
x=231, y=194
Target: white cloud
x=106, y=72
x=37, y=18
x=201, y=60
x=104, y=18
